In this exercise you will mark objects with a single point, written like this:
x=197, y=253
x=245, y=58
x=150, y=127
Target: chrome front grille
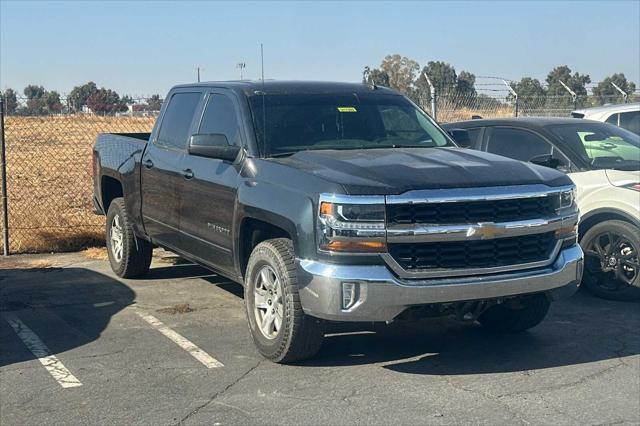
x=471, y=212
x=462, y=232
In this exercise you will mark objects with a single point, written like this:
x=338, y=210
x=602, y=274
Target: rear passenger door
x=162, y=171
x=208, y=197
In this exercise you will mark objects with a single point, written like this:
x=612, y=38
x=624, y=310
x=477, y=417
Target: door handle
x=147, y=163
x=187, y=174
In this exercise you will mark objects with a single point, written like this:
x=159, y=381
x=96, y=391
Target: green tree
x=369, y=76
x=528, y=88
x=10, y=101
x=605, y=92
x=443, y=77
x=35, y=100
x=105, y=101
x=34, y=92
x=52, y=102
x=155, y=101
x=531, y=94
x=465, y=85
x=401, y=72
x=576, y=82
x=80, y=95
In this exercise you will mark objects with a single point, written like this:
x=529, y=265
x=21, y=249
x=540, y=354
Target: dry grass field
x=49, y=176
x=49, y=179
x=461, y=114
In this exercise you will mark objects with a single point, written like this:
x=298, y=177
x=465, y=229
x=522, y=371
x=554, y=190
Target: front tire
x=516, y=315
x=280, y=329
x=612, y=260
x=130, y=257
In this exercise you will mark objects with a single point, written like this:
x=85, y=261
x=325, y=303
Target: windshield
x=288, y=123
x=602, y=145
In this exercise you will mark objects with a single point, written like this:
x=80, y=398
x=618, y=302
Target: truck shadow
x=580, y=330
x=66, y=308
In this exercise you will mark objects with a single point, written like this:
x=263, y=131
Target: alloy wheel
x=116, y=237
x=268, y=303
x=612, y=261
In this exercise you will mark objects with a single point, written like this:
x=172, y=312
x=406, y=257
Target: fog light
x=349, y=295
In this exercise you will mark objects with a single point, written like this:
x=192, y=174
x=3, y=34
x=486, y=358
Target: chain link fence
x=459, y=107
x=49, y=167
x=49, y=175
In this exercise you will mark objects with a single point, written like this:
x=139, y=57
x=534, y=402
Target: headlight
x=352, y=224
x=565, y=201
x=566, y=206
x=567, y=198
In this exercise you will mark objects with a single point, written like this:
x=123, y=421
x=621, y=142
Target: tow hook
x=470, y=311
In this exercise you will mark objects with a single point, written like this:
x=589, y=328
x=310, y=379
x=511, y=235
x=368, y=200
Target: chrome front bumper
x=382, y=296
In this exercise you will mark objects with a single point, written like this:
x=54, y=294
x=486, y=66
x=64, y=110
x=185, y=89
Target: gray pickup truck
x=336, y=202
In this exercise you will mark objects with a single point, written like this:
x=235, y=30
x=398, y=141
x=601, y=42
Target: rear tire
x=130, y=257
x=516, y=315
x=280, y=329
x=620, y=280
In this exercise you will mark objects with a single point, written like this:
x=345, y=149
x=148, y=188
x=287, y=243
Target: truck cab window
x=220, y=117
x=174, y=130
x=517, y=144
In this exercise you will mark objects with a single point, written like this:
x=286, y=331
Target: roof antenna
x=262, y=64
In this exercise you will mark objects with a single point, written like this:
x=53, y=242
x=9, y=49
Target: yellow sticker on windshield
x=347, y=109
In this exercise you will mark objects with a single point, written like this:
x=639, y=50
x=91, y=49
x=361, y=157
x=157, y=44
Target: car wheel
x=612, y=260
x=280, y=329
x=517, y=314
x=130, y=257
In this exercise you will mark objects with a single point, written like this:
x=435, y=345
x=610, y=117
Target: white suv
x=626, y=116
x=604, y=162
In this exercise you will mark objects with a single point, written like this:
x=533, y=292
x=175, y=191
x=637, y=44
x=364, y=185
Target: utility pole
x=241, y=66
x=624, y=94
x=432, y=92
x=198, y=74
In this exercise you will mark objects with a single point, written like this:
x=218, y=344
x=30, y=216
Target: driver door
x=209, y=194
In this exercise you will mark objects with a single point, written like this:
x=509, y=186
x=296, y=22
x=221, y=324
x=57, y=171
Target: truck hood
x=394, y=171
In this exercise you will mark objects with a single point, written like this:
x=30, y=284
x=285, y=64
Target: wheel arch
x=255, y=230
x=600, y=215
x=110, y=189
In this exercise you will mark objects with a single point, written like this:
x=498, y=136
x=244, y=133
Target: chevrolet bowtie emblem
x=486, y=231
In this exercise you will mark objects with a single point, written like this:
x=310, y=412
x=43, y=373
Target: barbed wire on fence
x=455, y=106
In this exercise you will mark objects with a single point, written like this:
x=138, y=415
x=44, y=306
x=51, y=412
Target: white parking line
x=41, y=351
x=184, y=343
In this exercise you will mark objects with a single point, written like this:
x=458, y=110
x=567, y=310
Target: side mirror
x=213, y=145
x=546, y=160
x=461, y=137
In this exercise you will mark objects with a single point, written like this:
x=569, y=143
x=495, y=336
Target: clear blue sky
x=145, y=47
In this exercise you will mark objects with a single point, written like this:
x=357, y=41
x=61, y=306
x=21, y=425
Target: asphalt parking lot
x=174, y=347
